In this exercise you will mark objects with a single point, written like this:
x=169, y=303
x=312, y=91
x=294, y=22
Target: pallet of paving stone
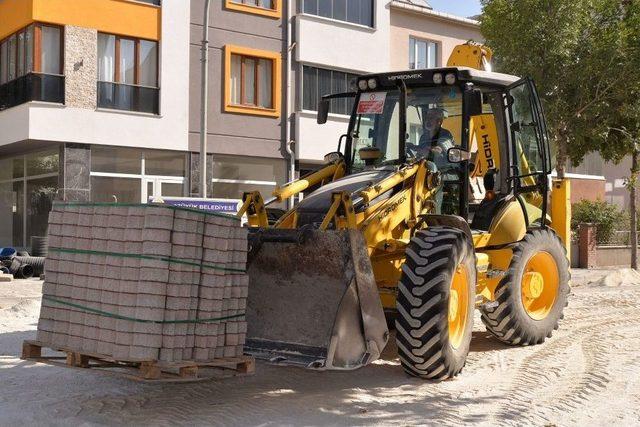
x=151, y=370
x=139, y=283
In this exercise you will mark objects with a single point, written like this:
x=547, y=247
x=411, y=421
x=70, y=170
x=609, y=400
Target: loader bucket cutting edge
x=315, y=303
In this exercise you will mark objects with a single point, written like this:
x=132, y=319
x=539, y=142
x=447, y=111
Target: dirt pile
x=623, y=276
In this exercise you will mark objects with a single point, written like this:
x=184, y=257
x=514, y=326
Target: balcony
x=32, y=87
x=117, y=96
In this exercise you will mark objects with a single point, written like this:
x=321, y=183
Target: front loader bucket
x=314, y=302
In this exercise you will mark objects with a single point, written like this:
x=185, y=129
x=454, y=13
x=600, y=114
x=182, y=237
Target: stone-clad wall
x=81, y=67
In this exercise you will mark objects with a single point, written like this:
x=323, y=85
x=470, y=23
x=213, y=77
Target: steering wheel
x=411, y=150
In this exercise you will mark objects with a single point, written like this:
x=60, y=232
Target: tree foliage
x=606, y=217
x=579, y=52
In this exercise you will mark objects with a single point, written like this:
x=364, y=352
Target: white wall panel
x=317, y=140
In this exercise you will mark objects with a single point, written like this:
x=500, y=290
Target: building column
x=194, y=174
x=74, y=181
x=80, y=67
x=588, y=246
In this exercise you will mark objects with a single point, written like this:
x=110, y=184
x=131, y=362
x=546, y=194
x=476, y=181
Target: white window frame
x=415, y=52
x=144, y=179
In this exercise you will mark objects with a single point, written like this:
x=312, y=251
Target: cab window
x=526, y=133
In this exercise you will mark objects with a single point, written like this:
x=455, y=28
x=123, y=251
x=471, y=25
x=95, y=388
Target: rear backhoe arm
x=471, y=55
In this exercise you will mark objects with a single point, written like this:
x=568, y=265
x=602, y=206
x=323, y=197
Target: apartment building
x=93, y=105
x=100, y=99
x=246, y=130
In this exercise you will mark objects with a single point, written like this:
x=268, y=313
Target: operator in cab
x=434, y=145
x=435, y=140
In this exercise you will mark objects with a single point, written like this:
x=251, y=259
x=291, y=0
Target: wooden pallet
x=151, y=370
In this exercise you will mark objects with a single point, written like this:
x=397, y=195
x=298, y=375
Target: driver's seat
x=489, y=205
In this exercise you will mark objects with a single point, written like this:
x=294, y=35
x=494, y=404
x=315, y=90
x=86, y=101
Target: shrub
x=607, y=217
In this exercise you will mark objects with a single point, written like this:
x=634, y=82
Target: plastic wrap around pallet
x=144, y=282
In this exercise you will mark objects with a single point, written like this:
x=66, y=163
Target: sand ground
x=587, y=374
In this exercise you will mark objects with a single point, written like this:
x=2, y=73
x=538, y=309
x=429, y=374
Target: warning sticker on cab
x=372, y=103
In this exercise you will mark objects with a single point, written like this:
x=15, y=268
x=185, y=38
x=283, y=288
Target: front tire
x=531, y=297
x=436, y=300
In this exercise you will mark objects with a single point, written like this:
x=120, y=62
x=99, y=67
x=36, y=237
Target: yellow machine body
x=484, y=141
x=386, y=227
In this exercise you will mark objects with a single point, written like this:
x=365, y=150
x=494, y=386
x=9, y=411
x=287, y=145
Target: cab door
x=530, y=160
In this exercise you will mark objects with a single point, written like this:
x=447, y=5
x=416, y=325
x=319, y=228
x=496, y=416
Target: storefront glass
x=36, y=191
x=115, y=190
x=42, y=163
x=40, y=195
x=234, y=175
x=129, y=175
x=116, y=160
x=165, y=163
x=11, y=168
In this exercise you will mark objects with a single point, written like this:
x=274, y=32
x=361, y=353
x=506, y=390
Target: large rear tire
x=531, y=297
x=436, y=300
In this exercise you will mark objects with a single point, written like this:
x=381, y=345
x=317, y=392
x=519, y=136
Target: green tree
x=571, y=49
x=585, y=58
x=613, y=128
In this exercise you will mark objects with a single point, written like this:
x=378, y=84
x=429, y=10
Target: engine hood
x=319, y=201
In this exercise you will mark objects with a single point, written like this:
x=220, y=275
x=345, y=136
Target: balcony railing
x=118, y=96
x=32, y=87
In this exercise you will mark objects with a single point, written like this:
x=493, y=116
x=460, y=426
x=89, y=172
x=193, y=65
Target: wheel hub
x=533, y=284
x=540, y=283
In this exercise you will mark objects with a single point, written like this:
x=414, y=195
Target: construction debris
x=144, y=283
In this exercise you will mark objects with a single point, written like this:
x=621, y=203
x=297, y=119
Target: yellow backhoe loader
x=437, y=201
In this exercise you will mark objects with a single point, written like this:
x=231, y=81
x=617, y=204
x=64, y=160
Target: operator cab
x=482, y=132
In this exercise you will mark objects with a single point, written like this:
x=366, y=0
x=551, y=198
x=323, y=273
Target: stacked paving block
x=144, y=283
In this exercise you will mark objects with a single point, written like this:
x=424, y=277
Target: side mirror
x=333, y=157
x=457, y=155
x=473, y=102
x=323, y=111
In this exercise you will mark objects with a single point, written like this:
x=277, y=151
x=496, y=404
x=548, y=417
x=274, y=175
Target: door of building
x=156, y=188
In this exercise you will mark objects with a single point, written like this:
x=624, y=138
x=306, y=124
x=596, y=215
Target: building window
x=252, y=81
x=233, y=175
x=317, y=82
x=28, y=186
x=422, y=54
x=270, y=8
x=128, y=74
x=354, y=11
x=133, y=175
x=31, y=66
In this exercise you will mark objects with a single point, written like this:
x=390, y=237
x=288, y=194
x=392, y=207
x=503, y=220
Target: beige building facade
x=424, y=38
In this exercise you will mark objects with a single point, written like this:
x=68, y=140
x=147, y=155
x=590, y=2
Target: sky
x=457, y=7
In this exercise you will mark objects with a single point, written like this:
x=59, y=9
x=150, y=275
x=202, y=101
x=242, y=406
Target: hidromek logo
x=487, y=152
x=406, y=76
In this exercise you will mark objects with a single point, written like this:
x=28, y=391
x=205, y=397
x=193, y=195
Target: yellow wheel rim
x=540, y=283
x=458, y=306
